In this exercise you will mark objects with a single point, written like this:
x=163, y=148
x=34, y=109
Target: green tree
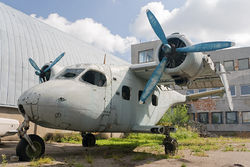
x=176, y=115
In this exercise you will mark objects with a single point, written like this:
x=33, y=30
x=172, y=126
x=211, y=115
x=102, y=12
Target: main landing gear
x=88, y=140
x=169, y=143
x=30, y=146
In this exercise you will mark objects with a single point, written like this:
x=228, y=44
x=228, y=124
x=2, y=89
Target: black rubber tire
x=171, y=146
x=25, y=152
x=88, y=140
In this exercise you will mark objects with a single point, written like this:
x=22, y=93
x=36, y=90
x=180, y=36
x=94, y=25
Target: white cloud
x=90, y=32
x=205, y=20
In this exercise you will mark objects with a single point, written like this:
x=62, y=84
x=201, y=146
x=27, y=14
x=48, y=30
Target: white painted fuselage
x=75, y=104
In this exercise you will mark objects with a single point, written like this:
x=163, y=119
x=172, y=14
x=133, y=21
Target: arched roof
x=21, y=37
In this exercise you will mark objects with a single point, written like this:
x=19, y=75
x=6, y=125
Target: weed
x=77, y=165
x=183, y=165
x=177, y=156
x=228, y=148
x=140, y=157
x=161, y=156
x=41, y=161
x=200, y=154
x=4, y=160
x=115, y=157
x=89, y=159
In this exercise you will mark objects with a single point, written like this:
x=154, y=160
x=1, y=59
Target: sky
x=113, y=25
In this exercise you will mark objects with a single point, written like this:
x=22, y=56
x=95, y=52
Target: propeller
x=170, y=50
x=42, y=72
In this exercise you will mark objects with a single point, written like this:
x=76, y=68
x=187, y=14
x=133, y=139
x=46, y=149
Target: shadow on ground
x=66, y=154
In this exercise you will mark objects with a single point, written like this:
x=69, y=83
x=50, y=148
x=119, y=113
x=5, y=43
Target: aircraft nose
x=27, y=104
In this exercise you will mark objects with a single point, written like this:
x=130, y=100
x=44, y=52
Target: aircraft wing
x=208, y=78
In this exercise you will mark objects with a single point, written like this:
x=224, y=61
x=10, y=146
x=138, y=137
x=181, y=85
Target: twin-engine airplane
x=109, y=98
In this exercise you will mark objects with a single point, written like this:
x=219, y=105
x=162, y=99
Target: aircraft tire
x=88, y=140
x=171, y=146
x=24, y=150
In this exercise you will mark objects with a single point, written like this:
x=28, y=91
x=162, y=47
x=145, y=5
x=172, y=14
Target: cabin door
x=105, y=116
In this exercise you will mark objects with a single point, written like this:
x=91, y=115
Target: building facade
x=214, y=111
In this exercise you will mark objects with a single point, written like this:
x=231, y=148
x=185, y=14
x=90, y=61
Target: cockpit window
x=70, y=73
x=94, y=78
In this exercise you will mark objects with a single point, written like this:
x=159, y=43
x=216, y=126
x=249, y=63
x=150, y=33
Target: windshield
x=70, y=73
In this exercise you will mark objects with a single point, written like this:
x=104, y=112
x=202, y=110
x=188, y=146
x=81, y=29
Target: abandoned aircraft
x=126, y=98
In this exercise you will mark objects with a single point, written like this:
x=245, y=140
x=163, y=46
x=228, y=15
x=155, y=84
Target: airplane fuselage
x=82, y=103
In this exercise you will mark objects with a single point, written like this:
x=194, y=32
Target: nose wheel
x=30, y=146
x=24, y=150
x=88, y=140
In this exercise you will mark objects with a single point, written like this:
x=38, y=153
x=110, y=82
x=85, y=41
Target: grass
x=183, y=165
x=89, y=159
x=151, y=144
x=4, y=160
x=41, y=161
x=140, y=157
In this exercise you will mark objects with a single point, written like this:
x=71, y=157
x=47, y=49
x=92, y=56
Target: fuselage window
x=94, y=78
x=154, y=100
x=139, y=94
x=126, y=93
x=70, y=73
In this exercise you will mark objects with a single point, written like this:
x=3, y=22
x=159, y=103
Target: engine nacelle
x=183, y=67
x=52, y=72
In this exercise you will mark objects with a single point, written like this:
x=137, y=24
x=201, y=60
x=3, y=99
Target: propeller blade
x=224, y=80
x=156, y=27
x=54, y=62
x=205, y=47
x=33, y=63
x=40, y=80
x=154, y=79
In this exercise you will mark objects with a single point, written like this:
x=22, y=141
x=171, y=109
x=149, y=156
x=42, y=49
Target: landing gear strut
x=30, y=146
x=169, y=143
x=88, y=140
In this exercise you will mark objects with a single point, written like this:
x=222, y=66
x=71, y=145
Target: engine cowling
x=181, y=66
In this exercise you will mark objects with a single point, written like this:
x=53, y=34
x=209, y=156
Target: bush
x=175, y=116
x=183, y=133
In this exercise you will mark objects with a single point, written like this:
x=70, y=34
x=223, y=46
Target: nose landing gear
x=30, y=146
x=88, y=140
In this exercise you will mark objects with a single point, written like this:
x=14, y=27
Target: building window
x=125, y=92
x=154, y=100
x=229, y=65
x=245, y=90
x=232, y=90
x=203, y=118
x=146, y=56
x=189, y=92
x=231, y=117
x=243, y=64
x=217, y=118
x=217, y=66
x=246, y=117
x=192, y=116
